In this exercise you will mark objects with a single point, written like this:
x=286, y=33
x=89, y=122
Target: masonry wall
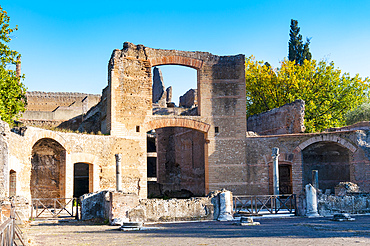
x=98, y=151
x=4, y=160
x=50, y=109
x=49, y=101
x=258, y=151
x=286, y=119
x=221, y=106
x=128, y=207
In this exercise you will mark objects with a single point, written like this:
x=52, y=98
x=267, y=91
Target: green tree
x=298, y=51
x=328, y=94
x=361, y=113
x=12, y=90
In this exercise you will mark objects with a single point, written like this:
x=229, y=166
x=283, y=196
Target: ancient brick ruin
x=202, y=146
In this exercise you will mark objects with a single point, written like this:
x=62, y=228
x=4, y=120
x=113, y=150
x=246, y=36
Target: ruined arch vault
x=221, y=106
x=234, y=161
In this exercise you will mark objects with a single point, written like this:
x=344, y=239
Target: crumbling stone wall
x=96, y=150
x=286, y=119
x=114, y=205
x=50, y=101
x=291, y=153
x=95, y=205
x=221, y=104
x=50, y=109
x=353, y=204
x=4, y=165
x=232, y=159
x=195, y=208
x=189, y=99
x=22, y=208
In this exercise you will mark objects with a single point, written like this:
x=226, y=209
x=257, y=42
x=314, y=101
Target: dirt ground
x=272, y=231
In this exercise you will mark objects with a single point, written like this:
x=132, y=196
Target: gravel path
x=272, y=231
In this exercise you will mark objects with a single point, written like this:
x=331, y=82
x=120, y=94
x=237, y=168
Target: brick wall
x=220, y=97
x=286, y=119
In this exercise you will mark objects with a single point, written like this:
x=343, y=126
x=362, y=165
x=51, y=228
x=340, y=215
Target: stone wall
x=232, y=160
x=31, y=153
x=195, y=208
x=95, y=205
x=287, y=119
x=4, y=158
x=353, y=204
x=114, y=205
x=189, y=99
x=221, y=105
x=50, y=101
x=22, y=208
x=50, y=109
x=292, y=147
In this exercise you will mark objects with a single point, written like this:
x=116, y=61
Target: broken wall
x=96, y=150
x=50, y=101
x=128, y=207
x=286, y=119
x=353, y=204
x=292, y=147
x=50, y=109
x=221, y=106
x=189, y=99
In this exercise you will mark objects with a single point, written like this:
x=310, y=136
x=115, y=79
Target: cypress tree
x=298, y=51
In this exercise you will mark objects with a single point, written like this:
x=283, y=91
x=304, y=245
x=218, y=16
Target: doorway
x=81, y=179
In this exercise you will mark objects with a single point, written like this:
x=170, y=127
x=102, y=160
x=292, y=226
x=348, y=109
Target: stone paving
x=272, y=231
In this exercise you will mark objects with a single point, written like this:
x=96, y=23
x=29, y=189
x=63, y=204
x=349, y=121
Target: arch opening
x=178, y=165
x=48, y=169
x=174, y=90
x=332, y=162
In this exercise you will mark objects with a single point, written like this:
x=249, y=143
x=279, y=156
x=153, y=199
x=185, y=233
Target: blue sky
x=66, y=45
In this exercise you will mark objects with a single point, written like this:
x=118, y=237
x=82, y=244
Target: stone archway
x=48, y=169
x=178, y=158
x=332, y=162
x=176, y=60
x=331, y=155
x=221, y=103
x=177, y=122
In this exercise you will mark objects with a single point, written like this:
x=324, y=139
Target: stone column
x=275, y=174
x=226, y=206
x=311, y=201
x=118, y=172
x=315, y=179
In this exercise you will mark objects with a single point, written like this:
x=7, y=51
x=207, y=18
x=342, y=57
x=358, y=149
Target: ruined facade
x=197, y=149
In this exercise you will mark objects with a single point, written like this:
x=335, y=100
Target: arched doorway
x=81, y=179
x=176, y=162
x=330, y=159
x=48, y=169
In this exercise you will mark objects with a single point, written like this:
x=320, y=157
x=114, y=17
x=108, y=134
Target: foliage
x=328, y=93
x=12, y=90
x=298, y=51
x=361, y=113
